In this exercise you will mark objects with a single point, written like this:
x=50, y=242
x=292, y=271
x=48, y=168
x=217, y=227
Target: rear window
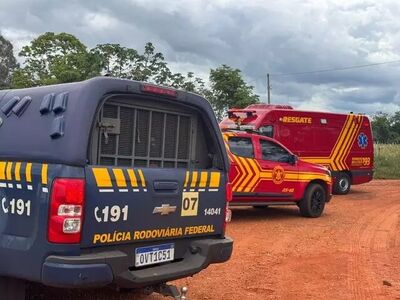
x=143, y=135
x=241, y=146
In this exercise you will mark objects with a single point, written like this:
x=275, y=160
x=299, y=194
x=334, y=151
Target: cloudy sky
x=258, y=37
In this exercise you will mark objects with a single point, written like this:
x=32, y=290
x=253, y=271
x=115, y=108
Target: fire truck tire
x=12, y=289
x=313, y=203
x=342, y=184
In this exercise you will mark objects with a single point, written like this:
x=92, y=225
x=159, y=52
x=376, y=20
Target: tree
x=8, y=63
x=116, y=61
x=381, y=128
x=151, y=67
x=188, y=83
x=56, y=58
x=228, y=89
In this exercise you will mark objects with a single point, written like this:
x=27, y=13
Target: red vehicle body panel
x=341, y=142
x=256, y=180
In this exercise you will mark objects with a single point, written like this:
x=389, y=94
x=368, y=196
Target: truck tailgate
x=127, y=205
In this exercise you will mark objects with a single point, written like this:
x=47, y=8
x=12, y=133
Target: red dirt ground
x=351, y=252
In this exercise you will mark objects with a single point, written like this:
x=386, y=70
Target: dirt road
x=351, y=252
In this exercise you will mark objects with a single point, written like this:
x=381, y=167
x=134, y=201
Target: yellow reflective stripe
x=186, y=179
x=214, y=180
x=8, y=172
x=28, y=172
x=132, y=178
x=203, y=179
x=119, y=177
x=102, y=177
x=2, y=170
x=194, y=179
x=143, y=182
x=44, y=174
x=18, y=171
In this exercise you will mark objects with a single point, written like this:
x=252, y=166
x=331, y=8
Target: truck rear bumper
x=104, y=268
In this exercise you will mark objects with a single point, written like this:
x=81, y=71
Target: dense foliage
x=60, y=58
x=386, y=128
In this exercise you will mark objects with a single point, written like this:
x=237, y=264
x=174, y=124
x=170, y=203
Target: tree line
x=386, y=128
x=54, y=58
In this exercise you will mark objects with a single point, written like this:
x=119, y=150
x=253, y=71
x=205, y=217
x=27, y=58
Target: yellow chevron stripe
x=203, y=179
x=17, y=171
x=255, y=168
x=247, y=175
x=28, y=172
x=215, y=179
x=3, y=170
x=194, y=179
x=351, y=143
x=186, y=179
x=132, y=178
x=44, y=174
x=347, y=144
x=102, y=177
x=343, y=139
x=242, y=174
x=8, y=171
x=142, y=180
x=119, y=177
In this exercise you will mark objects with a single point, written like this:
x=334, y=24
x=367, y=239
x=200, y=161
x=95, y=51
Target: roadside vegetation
x=387, y=161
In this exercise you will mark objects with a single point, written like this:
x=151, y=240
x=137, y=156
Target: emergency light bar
x=249, y=113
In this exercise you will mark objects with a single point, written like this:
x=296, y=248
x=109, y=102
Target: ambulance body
x=341, y=142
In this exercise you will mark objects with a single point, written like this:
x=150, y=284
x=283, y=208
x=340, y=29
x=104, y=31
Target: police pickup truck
x=109, y=182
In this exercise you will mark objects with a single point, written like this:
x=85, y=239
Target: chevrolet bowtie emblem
x=164, y=209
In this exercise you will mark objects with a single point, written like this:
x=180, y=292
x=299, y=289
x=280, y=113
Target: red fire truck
x=263, y=172
x=341, y=142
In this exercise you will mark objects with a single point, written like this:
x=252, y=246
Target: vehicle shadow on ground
x=272, y=212
x=40, y=292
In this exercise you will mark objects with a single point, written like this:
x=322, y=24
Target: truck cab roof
x=53, y=123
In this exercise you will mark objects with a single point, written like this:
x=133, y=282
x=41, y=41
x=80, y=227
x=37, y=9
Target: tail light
x=66, y=211
x=228, y=212
x=228, y=192
x=153, y=89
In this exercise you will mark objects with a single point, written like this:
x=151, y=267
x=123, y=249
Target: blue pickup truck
x=109, y=182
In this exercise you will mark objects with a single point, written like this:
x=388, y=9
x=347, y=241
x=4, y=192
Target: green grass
x=387, y=161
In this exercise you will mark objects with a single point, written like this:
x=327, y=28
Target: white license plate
x=145, y=256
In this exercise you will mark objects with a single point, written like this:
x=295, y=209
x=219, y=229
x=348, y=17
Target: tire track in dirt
x=369, y=236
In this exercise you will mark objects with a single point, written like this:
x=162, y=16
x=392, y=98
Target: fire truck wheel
x=313, y=203
x=342, y=184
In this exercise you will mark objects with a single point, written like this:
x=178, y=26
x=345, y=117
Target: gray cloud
x=258, y=37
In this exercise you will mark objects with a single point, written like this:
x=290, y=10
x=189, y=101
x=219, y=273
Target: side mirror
x=293, y=159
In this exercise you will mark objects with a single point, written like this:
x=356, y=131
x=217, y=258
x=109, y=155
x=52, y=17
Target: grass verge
x=387, y=161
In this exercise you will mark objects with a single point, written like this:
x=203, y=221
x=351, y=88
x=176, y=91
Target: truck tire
x=342, y=184
x=12, y=289
x=313, y=203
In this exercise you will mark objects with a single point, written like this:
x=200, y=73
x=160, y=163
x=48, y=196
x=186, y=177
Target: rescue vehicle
x=341, y=142
x=264, y=172
x=109, y=182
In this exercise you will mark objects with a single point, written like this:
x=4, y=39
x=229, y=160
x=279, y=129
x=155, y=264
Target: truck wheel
x=342, y=184
x=313, y=203
x=12, y=289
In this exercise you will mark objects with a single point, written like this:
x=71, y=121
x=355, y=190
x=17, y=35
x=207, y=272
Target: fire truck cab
x=341, y=142
x=264, y=172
